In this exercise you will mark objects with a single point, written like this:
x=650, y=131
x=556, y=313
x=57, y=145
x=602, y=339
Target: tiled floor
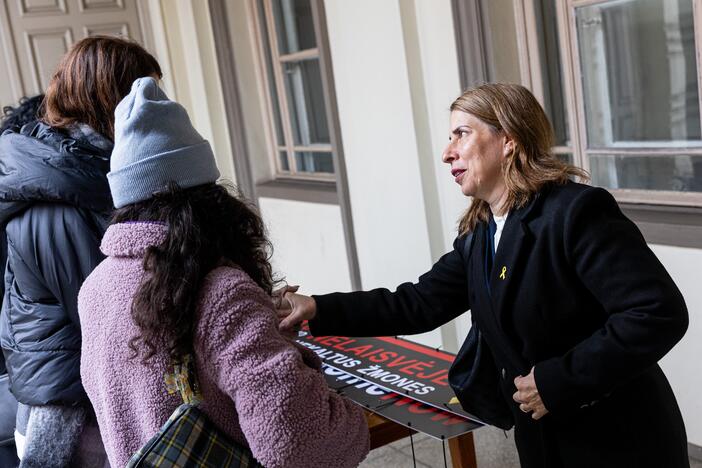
x=429, y=454
x=493, y=450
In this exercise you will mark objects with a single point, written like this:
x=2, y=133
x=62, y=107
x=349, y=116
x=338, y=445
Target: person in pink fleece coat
x=187, y=273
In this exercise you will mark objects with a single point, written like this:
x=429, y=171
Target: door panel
x=44, y=47
x=36, y=33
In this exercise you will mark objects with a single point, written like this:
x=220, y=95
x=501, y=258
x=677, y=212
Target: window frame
x=574, y=98
x=661, y=221
x=333, y=190
x=278, y=79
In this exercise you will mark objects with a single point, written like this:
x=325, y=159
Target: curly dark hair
x=207, y=226
x=27, y=111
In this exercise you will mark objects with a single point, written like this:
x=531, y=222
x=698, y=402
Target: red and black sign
x=405, y=411
x=408, y=369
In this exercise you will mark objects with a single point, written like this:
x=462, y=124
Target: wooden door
x=34, y=34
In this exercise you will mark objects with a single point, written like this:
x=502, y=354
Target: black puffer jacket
x=54, y=206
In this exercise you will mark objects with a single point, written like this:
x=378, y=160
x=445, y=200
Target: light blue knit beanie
x=155, y=143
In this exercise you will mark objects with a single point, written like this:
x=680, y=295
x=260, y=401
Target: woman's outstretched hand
x=277, y=295
x=295, y=309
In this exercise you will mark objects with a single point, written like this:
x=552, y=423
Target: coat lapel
x=514, y=246
x=507, y=270
x=478, y=267
x=515, y=242
x=484, y=310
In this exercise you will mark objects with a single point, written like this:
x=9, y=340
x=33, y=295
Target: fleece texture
x=62, y=436
x=257, y=386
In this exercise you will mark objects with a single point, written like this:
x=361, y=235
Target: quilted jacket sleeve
x=53, y=248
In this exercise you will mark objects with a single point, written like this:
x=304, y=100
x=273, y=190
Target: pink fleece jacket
x=257, y=386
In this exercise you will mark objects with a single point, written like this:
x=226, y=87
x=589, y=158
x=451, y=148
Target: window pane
x=680, y=173
x=308, y=117
x=550, y=60
x=566, y=158
x=272, y=92
x=314, y=162
x=284, y=163
x=294, y=25
x=639, y=72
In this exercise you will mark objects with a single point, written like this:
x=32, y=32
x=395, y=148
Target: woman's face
x=476, y=153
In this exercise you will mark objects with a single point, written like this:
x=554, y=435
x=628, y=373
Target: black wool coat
x=574, y=293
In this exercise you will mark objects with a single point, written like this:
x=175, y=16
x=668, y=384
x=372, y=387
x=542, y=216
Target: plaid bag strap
x=184, y=381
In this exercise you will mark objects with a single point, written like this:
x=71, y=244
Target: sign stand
x=383, y=432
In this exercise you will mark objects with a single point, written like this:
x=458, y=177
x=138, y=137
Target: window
x=619, y=80
x=300, y=126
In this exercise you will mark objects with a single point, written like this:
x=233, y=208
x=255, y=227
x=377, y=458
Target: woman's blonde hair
x=512, y=109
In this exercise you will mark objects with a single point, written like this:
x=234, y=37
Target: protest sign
x=409, y=369
x=405, y=411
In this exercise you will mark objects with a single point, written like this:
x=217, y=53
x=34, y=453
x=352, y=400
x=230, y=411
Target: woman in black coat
x=54, y=207
x=571, y=310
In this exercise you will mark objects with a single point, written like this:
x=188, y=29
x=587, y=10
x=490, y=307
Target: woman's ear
x=508, y=146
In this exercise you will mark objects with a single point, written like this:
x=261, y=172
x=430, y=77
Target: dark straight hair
x=92, y=78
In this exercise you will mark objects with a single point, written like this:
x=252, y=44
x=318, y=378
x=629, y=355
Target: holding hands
x=527, y=395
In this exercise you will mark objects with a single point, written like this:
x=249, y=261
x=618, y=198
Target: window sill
x=299, y=190
x=679, y=226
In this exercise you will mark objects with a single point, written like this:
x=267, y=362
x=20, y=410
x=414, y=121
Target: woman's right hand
x=295, y=309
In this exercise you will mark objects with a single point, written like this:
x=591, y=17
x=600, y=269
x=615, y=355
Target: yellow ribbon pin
x=503, y=274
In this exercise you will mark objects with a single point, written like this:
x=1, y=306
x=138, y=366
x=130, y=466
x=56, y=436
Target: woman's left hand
x=528, y=397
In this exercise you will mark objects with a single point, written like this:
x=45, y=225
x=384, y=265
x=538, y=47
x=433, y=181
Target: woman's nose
x=448, y=155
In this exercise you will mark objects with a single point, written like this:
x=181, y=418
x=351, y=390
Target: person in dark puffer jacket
x=54, y=207
x=13, y=118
